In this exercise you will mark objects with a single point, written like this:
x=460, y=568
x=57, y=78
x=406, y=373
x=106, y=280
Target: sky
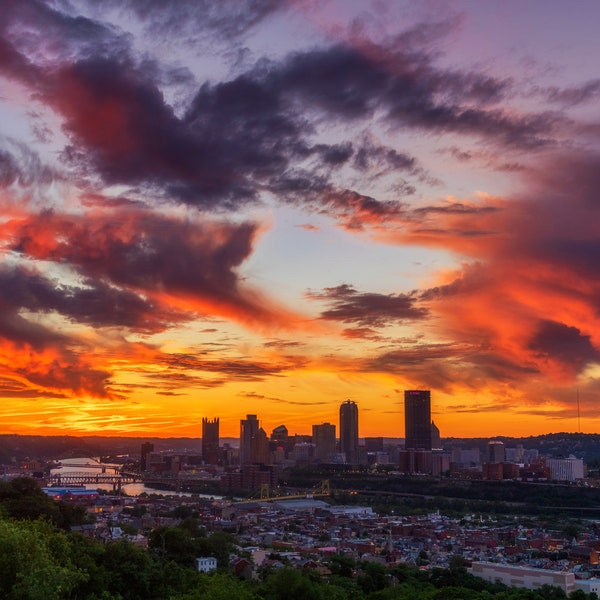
x=213, y=209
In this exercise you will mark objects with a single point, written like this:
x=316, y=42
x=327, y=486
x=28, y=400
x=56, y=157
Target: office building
x=248, y=429
x=417, y=420
x=210, y=441
x=349, y=431
x=495, y=452
x=436, y=441
x=280, y=436
x=281, y=439
x=565, y=469
x=323, y=438
x=147, y=448
x=260, y=451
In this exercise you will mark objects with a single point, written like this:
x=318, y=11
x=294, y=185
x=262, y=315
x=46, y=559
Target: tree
x=130, y=570
x=220, y=586
x=291, y=584
x=173, y=543
x=374, y=577
x=34, y=563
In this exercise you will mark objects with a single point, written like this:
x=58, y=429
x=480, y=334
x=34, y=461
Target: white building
x=206, y=564
x=565, y=469
x=524, y=577
x=588, y=586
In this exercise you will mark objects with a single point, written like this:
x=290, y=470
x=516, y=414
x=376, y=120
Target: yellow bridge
x=267, y=494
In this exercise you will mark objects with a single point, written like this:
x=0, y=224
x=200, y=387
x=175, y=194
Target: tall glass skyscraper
x=349, y=431
x=417, y=419
x=248, y=429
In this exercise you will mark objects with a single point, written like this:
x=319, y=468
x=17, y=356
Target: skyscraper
x=349, y=431
x=210, y=441
x=259, y=448
x=248, y=429
x=323, y=437
x=417, y=419
x=495, y=451
x=147, y=447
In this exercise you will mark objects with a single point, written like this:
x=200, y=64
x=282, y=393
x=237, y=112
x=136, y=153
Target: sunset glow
x=210, y=209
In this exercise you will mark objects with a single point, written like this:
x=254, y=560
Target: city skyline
x=221, y=208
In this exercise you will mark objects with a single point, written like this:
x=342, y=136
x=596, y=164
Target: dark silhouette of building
x=260, y=451
x=147, y=447
x=495, y=452
x=374, y=444
x=349, y=431
x=280, y=438
x=280, y=435
x=248, y=429
x=210, y=441
x=417, y=420
x=436, y=440
x=323, y=438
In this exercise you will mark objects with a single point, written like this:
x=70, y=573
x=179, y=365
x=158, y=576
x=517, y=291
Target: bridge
x=82, y=478
x=267, y=494
x=103, y=468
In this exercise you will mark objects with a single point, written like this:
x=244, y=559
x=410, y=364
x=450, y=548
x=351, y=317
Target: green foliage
x=290, y=584
x=374, y=577
x=174, y=543
x=22, y=498
x=34, y=563
x=220, y=586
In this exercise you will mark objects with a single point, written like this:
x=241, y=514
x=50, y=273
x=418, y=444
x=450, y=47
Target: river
x=131, y=489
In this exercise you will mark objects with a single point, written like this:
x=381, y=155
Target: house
x=206, y=564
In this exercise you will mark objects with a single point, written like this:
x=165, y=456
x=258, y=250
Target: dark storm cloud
x=368, y=309
x=383, y=159
x=96, y=303
x=349, y=84
x=147, y=254
x=564, y=344
x=248, y=134
x=39, y=30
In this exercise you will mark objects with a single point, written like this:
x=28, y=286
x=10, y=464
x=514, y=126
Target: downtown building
x=324, y=440
x=248, y=430
x=422, y=445
x=210, y=441
x=349, y=431
x=417, y=420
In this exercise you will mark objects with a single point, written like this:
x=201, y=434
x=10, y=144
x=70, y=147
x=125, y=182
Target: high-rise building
x=323, y=438
x=495, y=452
x=349, y=431
x=248, y=429
x=210, y=441
x=280, y=435
x=147, y=448
x=417, y=419
x=281, y=441
x=260, y=452
x=436, y=441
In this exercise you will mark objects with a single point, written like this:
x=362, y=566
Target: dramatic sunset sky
x=214, y=208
